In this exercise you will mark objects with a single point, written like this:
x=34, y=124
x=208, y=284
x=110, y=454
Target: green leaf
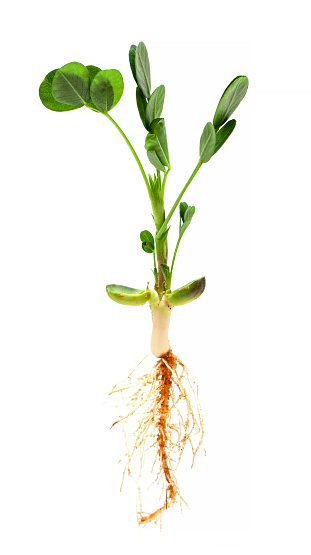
x=46, y=97
x=157, y=141
x=187, y=293
x=184, y=226
x=182, y=209
x=207, y=142
x=126, y=295
x=158, y=128
x=147, y=237
x=141, y=105
x=107, y=89
x=224, y=133
x=155, y=104
x=230, y=100
x=93, y=70
x=132, y=60
x=188, y=215
x=71, y=85
x=153, y=158
x=142, y=69
x=147, y=247
x=155, y=184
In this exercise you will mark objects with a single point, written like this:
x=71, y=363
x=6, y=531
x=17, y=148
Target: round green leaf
x=107, y=89
x=93, y=70
x=230, y=100
x=46, y=97
x=142, y=69
x=147, y=237
x=147, y=247
x=71, y=85
x=207, y=142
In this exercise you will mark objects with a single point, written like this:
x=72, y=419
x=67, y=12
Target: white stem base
x=161, y=315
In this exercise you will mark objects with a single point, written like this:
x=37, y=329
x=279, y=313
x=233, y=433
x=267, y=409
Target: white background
x=72, y=206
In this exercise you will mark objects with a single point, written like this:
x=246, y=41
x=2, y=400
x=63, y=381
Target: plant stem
x=161, y=315
x=162, y=259
x=172, y=266
x=131, y=148
x=195, y=171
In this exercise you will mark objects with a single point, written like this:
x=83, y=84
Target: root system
x=165, y=421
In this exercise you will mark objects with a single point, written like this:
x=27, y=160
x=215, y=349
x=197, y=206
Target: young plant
x=163, y=395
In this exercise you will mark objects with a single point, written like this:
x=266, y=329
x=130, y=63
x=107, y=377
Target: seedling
x=161, y=399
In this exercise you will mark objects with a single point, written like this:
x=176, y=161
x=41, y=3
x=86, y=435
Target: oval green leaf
x=142, y=69
x=187, y=293
x=141, y=105
x=132, y=52
x=188, y=215
x=184, y=226
x=71, y=85
x=157, y=141
x=207, y=142
x=46, y=97
x=153, y=158
x=126, y=295
x=230, y=100
x=224, y=133
x=182, y=209
x=155, y=104
x=107, y=89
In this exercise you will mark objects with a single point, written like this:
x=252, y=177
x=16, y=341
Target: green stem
x=154, y=259
x=172, y=266
x=131, y=148
x=195, y=171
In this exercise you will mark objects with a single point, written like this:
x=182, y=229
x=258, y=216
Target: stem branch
x=175, y=252
x=131, y=148
x=195, y=171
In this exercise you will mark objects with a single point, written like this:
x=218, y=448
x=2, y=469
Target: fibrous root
x=166, y=421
